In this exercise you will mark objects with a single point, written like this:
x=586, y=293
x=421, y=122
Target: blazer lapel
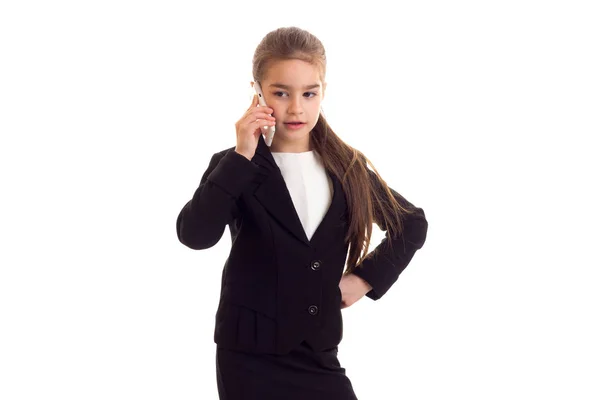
x=274, y=195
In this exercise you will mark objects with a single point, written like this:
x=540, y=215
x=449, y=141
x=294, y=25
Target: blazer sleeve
x=202, y=220
x=384, y=264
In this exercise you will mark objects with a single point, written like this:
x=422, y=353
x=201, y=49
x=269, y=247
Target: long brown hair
x=368, y=196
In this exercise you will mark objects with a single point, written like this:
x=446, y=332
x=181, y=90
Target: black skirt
x=302, y=374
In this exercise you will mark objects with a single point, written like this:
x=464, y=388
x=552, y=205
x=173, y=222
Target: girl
x=296, y=211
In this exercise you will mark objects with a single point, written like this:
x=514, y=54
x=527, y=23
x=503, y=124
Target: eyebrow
x=281, y=85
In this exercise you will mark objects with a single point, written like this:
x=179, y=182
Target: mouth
x=294, y=123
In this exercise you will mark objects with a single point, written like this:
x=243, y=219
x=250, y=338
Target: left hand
x=353, y=288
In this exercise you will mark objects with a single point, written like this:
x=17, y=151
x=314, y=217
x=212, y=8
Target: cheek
x=276, y=111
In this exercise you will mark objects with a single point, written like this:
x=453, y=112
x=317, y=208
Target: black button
x=313, y=310
x=315, y=265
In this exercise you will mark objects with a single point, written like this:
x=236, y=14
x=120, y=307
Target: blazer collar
x=274, y=195
x=265, y=158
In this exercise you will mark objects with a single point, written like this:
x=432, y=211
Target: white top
x=309, y=186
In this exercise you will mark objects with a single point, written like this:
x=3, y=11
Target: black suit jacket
x=278, y=288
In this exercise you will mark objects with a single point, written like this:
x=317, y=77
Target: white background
x=486, y=114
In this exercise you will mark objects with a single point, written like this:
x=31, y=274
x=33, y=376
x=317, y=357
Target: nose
x=295, y=106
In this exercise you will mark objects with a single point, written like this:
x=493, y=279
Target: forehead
x=292, y=73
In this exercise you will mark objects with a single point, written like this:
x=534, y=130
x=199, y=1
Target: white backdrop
x=482, y=113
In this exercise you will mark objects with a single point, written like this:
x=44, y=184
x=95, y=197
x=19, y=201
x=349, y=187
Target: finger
x=263, y=115
x=262, y=122
x=260, y=110
x=256, y=113
x=254, y=102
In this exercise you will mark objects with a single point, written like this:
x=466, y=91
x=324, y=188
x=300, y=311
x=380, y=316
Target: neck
x=293, y=148
x=290, y=147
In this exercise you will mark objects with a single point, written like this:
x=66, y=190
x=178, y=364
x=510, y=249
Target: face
x=288, y=87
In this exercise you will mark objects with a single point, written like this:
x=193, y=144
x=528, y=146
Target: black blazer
x=278, y=288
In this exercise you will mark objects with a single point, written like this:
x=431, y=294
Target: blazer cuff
x=380, y=274
x=383, y=266
x=233, y=173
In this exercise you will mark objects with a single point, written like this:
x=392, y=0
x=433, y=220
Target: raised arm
x=202, y=220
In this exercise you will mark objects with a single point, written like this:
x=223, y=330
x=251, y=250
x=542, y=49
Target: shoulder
x=222, y=153
x=216, y=157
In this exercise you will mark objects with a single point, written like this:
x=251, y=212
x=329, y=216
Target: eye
x=278, y=94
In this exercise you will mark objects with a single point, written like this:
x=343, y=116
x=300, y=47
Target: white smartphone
x=267, y=131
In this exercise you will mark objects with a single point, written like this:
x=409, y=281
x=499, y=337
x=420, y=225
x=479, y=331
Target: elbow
x=417, y=228
x=195, y=238
x=194, y=241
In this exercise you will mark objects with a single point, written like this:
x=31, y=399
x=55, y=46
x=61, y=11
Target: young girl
x=298, y=212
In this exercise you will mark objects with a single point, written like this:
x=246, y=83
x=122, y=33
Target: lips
x=294, y=125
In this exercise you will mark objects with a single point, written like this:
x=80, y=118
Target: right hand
x=248, y=127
